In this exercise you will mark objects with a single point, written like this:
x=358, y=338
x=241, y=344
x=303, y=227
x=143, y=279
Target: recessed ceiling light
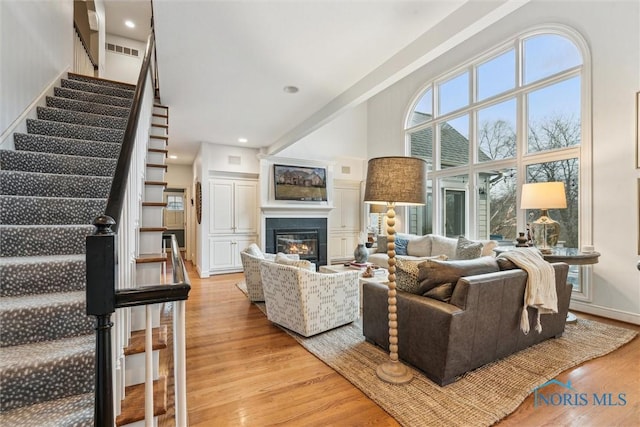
x=129, y=24
x=291, y=89
x=173, y=156
x=243, y=140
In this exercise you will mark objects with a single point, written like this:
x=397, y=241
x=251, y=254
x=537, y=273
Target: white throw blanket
x=540, y=291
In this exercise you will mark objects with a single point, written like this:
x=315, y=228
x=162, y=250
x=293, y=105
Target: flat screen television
x=303, y=183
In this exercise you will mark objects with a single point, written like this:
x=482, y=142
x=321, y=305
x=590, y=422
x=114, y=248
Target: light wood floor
x=244, y=371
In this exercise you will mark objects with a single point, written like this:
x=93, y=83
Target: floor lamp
x=393, y=181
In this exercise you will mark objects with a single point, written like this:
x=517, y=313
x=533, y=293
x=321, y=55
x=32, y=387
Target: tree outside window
x=513, y=130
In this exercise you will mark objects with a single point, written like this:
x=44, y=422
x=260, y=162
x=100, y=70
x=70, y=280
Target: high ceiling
x=223, y=65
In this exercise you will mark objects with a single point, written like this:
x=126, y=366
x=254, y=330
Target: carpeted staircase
x=51, y=188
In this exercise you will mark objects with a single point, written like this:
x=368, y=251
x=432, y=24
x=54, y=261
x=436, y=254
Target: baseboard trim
x=610, y=313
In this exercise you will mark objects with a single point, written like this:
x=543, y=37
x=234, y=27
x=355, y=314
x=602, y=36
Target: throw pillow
x=382, y=244
x=468, y=249
x=282, y=258
x=432, y=272
x=407, y=273
x=254, y=250
x=420, y=246
x=443, y=245
x=441, y=292
x=401, y=246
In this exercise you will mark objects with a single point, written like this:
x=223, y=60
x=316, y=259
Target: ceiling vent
x=122, y=49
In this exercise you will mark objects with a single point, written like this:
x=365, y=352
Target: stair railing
x=83, y=62
x=110, y=260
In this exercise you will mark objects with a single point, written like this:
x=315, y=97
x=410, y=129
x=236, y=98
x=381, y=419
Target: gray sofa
x=480, y=324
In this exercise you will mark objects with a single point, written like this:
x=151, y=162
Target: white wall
x=99, y=4
x=36, y=47
x=121, y=67
x=612, y=31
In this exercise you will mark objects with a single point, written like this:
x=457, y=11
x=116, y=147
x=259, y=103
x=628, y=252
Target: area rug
x=481, y=397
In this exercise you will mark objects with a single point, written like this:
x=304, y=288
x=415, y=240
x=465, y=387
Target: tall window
x=509, y=117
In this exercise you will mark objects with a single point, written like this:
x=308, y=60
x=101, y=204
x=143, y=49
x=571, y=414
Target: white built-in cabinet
x=345, y=220
x=233, y=223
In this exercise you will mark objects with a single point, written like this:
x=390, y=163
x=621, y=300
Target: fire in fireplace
x=301, y=231
x=301, y=242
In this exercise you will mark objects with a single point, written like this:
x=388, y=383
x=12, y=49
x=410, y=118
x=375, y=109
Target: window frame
x=583, y=151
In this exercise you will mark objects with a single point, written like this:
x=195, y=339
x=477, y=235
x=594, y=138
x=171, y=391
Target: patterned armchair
x=307, y=302
x=251, y=258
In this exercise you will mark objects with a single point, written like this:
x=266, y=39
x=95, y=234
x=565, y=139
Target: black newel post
x=101, y=282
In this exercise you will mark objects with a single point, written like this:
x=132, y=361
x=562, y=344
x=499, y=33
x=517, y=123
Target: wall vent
x=122, y=49
x=234, y=160
x=346, y=170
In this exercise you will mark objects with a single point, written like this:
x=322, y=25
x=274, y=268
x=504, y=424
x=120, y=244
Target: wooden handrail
x=102, y=297
x=119, y=185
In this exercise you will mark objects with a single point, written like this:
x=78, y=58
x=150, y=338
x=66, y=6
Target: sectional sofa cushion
x=432, y=272
x=420, y=246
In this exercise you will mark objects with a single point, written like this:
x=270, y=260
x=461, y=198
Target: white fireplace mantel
x=295, y=210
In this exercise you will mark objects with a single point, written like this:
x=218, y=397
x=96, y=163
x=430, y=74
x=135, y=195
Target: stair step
x=155, y=165
x=68, y=146
x=87, y=107
x=152, y=229
x=35, y=318
x=137, y=340
x=73, y=131
x=18, y=183
x=158, y=150
x=157, y=125
x=166, y=138
x=42, y=371
x=36, y=240
x=91, y=97
x=26, y=210
x=133, y=404
x=77, y=117
x=155, y=204
x=150, y=258
x=76, y=410
x=56, y=163
x=42, y=275
x=97, y=88
x=162, y=116
x=101, y=81
x=160, y=183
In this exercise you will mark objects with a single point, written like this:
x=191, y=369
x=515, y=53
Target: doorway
x=454, y=212
x=174, y=218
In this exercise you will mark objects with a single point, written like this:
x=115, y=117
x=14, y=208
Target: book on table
x=362, y=266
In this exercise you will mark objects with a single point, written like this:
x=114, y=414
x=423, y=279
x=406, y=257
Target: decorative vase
x=361, y=254
x=522, y=240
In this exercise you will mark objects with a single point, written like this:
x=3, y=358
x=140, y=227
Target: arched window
x=511, y=116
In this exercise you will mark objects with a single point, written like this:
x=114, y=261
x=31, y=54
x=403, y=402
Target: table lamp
x=395, y=181
x=544, y=196
x=381, y=210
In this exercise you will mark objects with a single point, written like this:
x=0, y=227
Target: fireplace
x=306, y=237
x=301, y=242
